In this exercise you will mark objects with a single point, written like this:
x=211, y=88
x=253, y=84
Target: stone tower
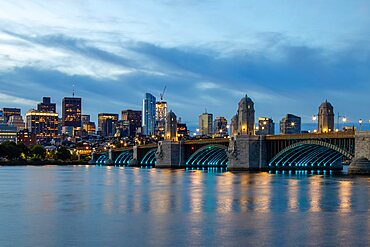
x=171, y=126
x=326, y=118
x=246, y=116
x=234, y=126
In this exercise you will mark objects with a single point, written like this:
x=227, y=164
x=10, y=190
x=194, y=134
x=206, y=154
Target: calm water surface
x=102, y=206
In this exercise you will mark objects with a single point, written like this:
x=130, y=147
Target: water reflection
x=179, y=207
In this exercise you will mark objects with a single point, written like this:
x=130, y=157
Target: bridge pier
x=93, y=159
x=247, y=152
x=361, y=163
x=170, y=154
x=135, y=157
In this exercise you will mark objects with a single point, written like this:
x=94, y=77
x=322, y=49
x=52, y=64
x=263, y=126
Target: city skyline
x=288, y=63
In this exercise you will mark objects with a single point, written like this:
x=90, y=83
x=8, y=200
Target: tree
x=10, y=150
x=24, y=150
x=63, y=154
x=38, y=152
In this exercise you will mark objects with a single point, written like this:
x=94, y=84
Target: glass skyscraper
x=149, y=111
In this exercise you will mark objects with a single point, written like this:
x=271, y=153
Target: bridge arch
x=102, y=159
x=124, y=158
x=310, y=153
x=210, y=155
x=149, y=158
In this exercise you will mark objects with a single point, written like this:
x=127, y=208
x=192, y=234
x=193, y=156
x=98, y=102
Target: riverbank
x=42, y=162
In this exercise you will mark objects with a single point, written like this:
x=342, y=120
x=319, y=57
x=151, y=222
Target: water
x=111, y=206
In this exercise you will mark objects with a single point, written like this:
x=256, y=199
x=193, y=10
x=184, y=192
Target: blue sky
x=289, y=56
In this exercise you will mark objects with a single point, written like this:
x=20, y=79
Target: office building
x=8, y=112
x=171, y=126
x=149, y=111
x=43, y=124
x=266, y=126
x=46, y=105
x=71, y=112
x=88, y=127
x=326, y=118
x=8, y=133
x=107, y=124
x=160, y=117
x=206, y=124
x=132, y=121
x=26, y=137
x=17, y=121
x=220, y=127
x=182, y=131
x=290, y=124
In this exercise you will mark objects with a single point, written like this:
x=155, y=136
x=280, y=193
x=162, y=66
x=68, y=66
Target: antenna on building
x=205, y=110
x=73, y=90
x=162, y=94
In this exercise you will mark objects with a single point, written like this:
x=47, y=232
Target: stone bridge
x=247, y=152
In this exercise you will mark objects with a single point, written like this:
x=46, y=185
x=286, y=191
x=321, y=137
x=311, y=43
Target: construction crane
x=162, y=94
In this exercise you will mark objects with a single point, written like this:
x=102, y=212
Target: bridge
x=246, y=152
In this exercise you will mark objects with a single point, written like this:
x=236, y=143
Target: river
x=116, y=206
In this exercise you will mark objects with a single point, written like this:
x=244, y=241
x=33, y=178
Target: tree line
x=18, y=151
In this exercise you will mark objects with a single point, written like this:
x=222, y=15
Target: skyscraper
x=220, y=127
x=43, y=124
x=46, y=105
x=7, y=112
x=88, y=127
x=171, y=126
x=326, y=117
x=107, y=123
x=17, y=121
x=266, y=126
x=160, y=117
x=132, y=121
x=149, y=110
x=206, y=124
x=290, y=124
x=71, y=112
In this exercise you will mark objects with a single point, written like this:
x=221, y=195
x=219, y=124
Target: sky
x=288, y=56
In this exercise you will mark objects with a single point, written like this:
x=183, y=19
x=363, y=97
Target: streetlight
x=314, y=119
x=360, y=122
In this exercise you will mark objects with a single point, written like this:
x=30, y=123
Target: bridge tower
x=326, y=118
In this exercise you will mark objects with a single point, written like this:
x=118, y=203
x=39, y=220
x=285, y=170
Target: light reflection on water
x=94, y=206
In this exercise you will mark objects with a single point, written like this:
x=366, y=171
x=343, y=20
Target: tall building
x=8, y=112
x=107, y=123
x=171, y=126
x=17, y=121
x=43, y=124
x=182, y=131
x=266, y=126
x=243, y=122
x=46, y=105
x=206, y=124
x=161, y=111
x=8, y=133
x=71, y=112
x=326, y=117
x=132, y=120
x=88, y=127
x=149, y=110
x=220, y=127
x=290, y=124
